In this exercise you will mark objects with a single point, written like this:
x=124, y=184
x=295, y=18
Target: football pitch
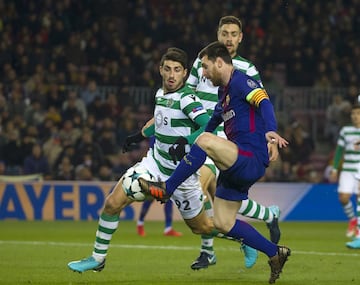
x=38, y=253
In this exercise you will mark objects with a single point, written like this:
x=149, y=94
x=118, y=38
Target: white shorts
x=189, y=202
x=188, y=198
x=348, y=183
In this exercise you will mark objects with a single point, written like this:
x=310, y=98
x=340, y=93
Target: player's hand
x=177, y=150
x=333, y=176
x=273, y=151
x=131, y=141
x=274, y=138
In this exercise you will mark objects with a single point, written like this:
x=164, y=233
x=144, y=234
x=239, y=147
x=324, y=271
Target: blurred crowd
x=56, y=57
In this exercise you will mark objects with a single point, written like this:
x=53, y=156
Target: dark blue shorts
x=234, y=183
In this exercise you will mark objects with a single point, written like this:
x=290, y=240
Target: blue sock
x=252, y=238
x=144, y=209
x=188, y=165
x=168, y=210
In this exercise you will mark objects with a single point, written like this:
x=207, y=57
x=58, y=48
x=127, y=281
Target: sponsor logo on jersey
x=228, y=115
x=158, y=119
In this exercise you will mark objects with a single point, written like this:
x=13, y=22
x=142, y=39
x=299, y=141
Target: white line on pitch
x=157, y=247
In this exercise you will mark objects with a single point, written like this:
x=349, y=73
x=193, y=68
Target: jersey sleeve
x=191, y=106
x=194, y=76
x=215, y=119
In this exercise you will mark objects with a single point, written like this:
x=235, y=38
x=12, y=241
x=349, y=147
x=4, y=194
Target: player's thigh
x=208, y=180
x=223, y=152
x=116, y=200
x=201, y=224
x=225, y=214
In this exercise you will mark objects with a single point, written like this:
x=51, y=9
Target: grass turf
x=38, y=253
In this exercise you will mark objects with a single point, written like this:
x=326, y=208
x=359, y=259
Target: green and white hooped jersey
x=207, y=92
x=349, y=135
x=174, y=117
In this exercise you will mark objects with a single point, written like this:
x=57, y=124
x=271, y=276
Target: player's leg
x=140, y=222
x=224, y=216
x=355, y=244
x=168, y=212
x=108, y=223
x=270, y=215
x=207, y=254
x=348, y=185
x=206, y=144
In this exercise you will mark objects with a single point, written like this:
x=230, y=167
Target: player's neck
x=228, y=75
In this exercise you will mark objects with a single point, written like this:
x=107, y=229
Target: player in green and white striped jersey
x=178, y=113
x=348, y=150
x=230, y=33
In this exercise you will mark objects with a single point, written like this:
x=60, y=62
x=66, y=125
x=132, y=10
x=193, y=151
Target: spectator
x=65, y=170
x=36, y=163
x=91, y=92
x=34, y=113
x=301, y=147
x=69, y=133
x=13, y=153
x=334, y=114
x=88, y=152
x=52, y=148
x=79, y=104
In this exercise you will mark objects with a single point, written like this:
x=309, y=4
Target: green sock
x=250, y=208
x=107, y=226
x=207, y=241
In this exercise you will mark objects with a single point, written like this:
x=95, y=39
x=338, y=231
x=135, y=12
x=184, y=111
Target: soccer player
x=250, y=125
x=229, y=33
x=178, y=113
x=168, y=206
x=348, y=150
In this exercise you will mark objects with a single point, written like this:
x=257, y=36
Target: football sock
x=144, y=210
x=107, y=226
x=168, y=211
x=207, y=241
x=187, y=166
x=349, y=210
x=252, y=238
x=252, y=209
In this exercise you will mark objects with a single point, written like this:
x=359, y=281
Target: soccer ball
x=131, y=185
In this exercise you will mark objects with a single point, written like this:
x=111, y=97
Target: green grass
x=37, y=253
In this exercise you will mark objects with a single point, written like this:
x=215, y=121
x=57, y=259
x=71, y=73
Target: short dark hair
x=175, y=54
x=214, y=50
x=230, y=20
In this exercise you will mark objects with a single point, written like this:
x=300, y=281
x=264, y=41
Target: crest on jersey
x=169, y=102
x=252, y=84
x=226, y=102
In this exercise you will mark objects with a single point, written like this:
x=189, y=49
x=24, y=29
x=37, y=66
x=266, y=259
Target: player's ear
x=241, y=37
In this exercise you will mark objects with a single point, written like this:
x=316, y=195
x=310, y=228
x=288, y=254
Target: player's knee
x=113, y=206
x=204, y=141
x=203, y=227
x=344, y=199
